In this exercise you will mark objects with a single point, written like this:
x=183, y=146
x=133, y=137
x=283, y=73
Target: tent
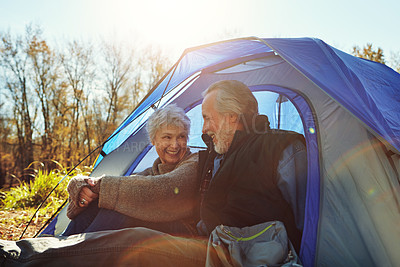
x=347, y=108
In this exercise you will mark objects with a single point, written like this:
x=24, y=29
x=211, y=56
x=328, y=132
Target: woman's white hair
x=171, y=115
x=234, y=97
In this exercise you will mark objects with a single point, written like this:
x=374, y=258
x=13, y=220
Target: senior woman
x=161, y=197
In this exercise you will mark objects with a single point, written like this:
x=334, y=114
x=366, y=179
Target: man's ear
x=233, y=118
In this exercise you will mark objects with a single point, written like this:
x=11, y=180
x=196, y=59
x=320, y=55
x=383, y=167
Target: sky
x=174, y=25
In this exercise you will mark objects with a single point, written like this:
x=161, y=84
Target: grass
x=18, y=204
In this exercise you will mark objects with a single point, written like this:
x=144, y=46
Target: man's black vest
x=244, y=190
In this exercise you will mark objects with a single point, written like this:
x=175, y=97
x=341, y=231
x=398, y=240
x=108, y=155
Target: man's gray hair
x=171, y=115
x=234, y=97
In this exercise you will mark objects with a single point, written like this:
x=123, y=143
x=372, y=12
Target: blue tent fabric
x=193, y=61
x=49, y=230
x=344, y=77
x=348, y=80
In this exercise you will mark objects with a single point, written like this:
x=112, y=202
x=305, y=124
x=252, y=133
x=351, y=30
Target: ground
x=13, y=223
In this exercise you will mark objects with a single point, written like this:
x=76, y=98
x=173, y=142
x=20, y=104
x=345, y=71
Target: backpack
x=264, y=244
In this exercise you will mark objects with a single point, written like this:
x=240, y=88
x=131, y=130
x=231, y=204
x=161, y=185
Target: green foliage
x=31, y=194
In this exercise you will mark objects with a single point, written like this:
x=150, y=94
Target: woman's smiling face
x=170, y=142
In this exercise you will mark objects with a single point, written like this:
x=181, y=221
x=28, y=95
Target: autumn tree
x=14, y=62
x=79, y=72
x=59, y=103
x=128, y=78
x=395, y=61
x=155, y=64
x=44, y=80
x=369, y=53
x=5, y=135
x=117, y=80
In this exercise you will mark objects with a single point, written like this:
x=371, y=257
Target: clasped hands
x=86, y=195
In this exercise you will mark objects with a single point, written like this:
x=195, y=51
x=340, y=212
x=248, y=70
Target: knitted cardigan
x=161, y=193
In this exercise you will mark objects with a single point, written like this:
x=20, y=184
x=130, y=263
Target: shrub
x=31, y=194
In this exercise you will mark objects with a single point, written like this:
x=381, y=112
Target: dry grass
x=13, y=223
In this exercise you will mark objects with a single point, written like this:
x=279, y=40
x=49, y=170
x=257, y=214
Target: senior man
x=247, y=176
x=239, y=170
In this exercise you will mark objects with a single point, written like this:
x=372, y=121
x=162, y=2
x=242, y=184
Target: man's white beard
x=224, y=138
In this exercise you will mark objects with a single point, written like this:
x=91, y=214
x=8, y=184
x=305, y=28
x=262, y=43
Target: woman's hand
x=86, y=195
x=93, y=181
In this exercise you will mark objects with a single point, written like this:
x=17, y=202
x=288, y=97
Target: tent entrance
x=287, y=110
x=292, y=111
